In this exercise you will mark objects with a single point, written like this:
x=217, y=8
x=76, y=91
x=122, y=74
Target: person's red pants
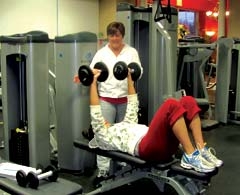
x=160, y=143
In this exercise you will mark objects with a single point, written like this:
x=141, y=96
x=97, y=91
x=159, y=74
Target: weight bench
x=185, y=182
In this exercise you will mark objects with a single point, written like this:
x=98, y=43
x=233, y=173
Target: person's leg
x=160, y=143
x=103, y=163
x=191, y=158
x=108, y=111
x=195, y=127
x=180, y=131
x=193, y=119
x=112, y=113
x=207, y=153
x=121, y=111
x=166, y=130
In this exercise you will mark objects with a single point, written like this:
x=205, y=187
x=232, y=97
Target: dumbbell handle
x=45, y=175
x=131, y=70
x=38, y=171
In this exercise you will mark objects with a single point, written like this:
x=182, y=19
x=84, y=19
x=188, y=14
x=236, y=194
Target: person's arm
x=76, y=79
x=131, y=115
x=94, y=98
x=131, y=87
x=136, y=58
x=99, y=125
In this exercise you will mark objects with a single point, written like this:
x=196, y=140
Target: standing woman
x=113, y=92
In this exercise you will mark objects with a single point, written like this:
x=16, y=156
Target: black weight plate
x=136, y=70
x=21, y=178
x=85, y=75
x=120, y=70
x=104, y=71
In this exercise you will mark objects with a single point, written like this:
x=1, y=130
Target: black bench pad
x=121, y=156
x=173, y=166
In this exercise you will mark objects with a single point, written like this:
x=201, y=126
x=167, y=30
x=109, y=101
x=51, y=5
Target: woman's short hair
x=115, y=27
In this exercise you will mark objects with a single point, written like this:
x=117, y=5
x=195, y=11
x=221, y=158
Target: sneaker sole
x=219, y=165
x=188, y=166
x=214, y=164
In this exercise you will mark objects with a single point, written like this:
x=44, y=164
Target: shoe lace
x=211, y=152
x=199, y=147
x=202, y=160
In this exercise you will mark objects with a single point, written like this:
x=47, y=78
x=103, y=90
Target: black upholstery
x=173, y=165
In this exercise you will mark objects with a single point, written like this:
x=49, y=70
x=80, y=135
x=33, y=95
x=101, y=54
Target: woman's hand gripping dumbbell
x=85, y=74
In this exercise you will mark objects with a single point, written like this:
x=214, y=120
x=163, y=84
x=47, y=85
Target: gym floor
x=226, y=141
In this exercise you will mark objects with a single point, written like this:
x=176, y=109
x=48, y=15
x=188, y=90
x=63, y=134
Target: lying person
x=158, y=142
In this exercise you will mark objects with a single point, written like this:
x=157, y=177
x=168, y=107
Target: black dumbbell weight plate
x=21, y=178
x=136, y=70
x=85, y=75
x=104, y=71
x=33, y=180
x=120, y=70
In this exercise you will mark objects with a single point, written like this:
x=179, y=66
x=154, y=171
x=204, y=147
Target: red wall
x=196, y=5
x=201, y=6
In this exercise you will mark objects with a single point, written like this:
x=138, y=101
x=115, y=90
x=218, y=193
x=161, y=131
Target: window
x=187, y=18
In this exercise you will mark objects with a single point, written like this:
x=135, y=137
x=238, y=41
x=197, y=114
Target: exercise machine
x=52, y=102
x=137, y=22
x=227, y=106
x=24, y=68
x=163, y=55
x=192, y=60
x=153, y=32
x=72, y=100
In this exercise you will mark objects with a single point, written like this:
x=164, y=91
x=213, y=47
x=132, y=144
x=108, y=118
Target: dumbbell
x=50, y=173
x=120, y=70
x=21, y=177
x=86, y=76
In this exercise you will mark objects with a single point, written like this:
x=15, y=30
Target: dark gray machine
x=153, y=32
x=163, y=55
x=227, y=106
x=72, y=100
x=24, y=68
x=137, y=22
x=52, y=101
x=192, y=60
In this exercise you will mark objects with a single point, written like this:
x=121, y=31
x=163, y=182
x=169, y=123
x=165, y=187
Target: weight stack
x=18, y=145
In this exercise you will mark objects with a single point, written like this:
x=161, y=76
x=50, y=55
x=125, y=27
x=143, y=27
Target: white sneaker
x=102, y=173
x=101, y=176
x=196, y=162
x=209, y=155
